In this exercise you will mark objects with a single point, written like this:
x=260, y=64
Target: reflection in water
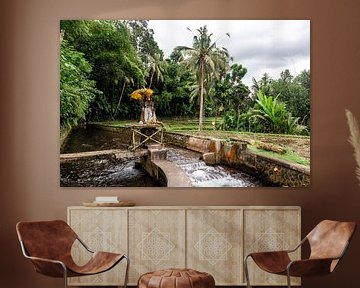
x=83, y=139
x=105, y=171
x=108, y=171
x=101, y=171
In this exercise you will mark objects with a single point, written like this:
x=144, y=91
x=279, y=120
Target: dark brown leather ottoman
x=176, y=278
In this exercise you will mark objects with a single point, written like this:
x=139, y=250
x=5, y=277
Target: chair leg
x=65, y=276
x=288, y=278
x=126, y=271
x=246, y=272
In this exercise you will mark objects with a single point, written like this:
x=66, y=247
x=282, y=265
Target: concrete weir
x=166, y=173
x=235, y=154
x=214, y=151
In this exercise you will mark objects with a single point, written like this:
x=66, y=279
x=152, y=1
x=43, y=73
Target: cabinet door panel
x=156, y=240
x=100, y=230
x=270, y=230
x=214, y=244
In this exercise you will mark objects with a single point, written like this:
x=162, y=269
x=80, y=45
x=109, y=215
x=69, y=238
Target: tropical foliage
x=76, y=90
x=105, y=65
x=294, y=91
x=156, y=68
x=271, y=116
x=206, y=60
x=108, y=46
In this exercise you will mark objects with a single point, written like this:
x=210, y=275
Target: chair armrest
x=268, y=253
x=48, y=267
x=84, y=245
x=46, y=260
x=309, y=267
x=298, y=246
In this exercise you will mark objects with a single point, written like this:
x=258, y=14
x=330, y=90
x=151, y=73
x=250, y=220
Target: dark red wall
x=29, y=119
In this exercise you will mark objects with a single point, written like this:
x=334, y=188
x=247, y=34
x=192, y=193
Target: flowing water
x=202, y=175
x=108, y=171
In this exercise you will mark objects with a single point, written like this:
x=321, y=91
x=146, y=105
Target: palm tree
x=127, y=80
x=264, y=84
x=206, y=60
x=156, y=68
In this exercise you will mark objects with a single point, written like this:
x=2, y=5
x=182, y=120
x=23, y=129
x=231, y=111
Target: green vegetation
x=206, y=61
x=294, y=91
x=102, y=62
x=296, y=146
x=289, y=156
x=76, y=90
x=271, y=115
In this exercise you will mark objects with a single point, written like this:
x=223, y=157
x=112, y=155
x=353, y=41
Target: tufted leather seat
x=176, y=278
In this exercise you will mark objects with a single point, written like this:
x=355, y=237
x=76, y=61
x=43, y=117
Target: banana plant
x=274, y=116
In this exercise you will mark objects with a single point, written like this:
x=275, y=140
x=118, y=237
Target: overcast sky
x=260, y=45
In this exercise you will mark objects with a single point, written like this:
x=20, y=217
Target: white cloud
x=260, y=45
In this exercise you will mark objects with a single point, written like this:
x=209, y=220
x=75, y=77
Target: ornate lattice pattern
x=156, y=246
x=213, y=246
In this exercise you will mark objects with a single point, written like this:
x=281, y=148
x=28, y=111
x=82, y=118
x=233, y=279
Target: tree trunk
x=112, y=102
x=201, y=115
x=216, y=114
x=122, y=92
x=237, y=117
x=151, y=79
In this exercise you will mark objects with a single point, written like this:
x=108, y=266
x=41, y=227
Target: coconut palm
x=156, y=68
x=264, y=84
x=206, y=60
x=127, y=80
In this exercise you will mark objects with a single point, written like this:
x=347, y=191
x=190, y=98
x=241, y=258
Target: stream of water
x=202, y=175
x=108, y=171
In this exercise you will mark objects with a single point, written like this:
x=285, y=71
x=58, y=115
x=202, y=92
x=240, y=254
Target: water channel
x=108, y=171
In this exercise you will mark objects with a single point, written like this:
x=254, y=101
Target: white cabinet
x=210, y=239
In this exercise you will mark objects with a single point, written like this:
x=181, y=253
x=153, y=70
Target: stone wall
x=124, y=132
x=281, y=173
x=194, y=143
x=235, y=154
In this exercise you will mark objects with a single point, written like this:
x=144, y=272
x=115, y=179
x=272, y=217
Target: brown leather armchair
x=48, y=245
x=328, y=242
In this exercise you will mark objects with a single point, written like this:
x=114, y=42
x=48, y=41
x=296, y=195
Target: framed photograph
x=184, y=103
